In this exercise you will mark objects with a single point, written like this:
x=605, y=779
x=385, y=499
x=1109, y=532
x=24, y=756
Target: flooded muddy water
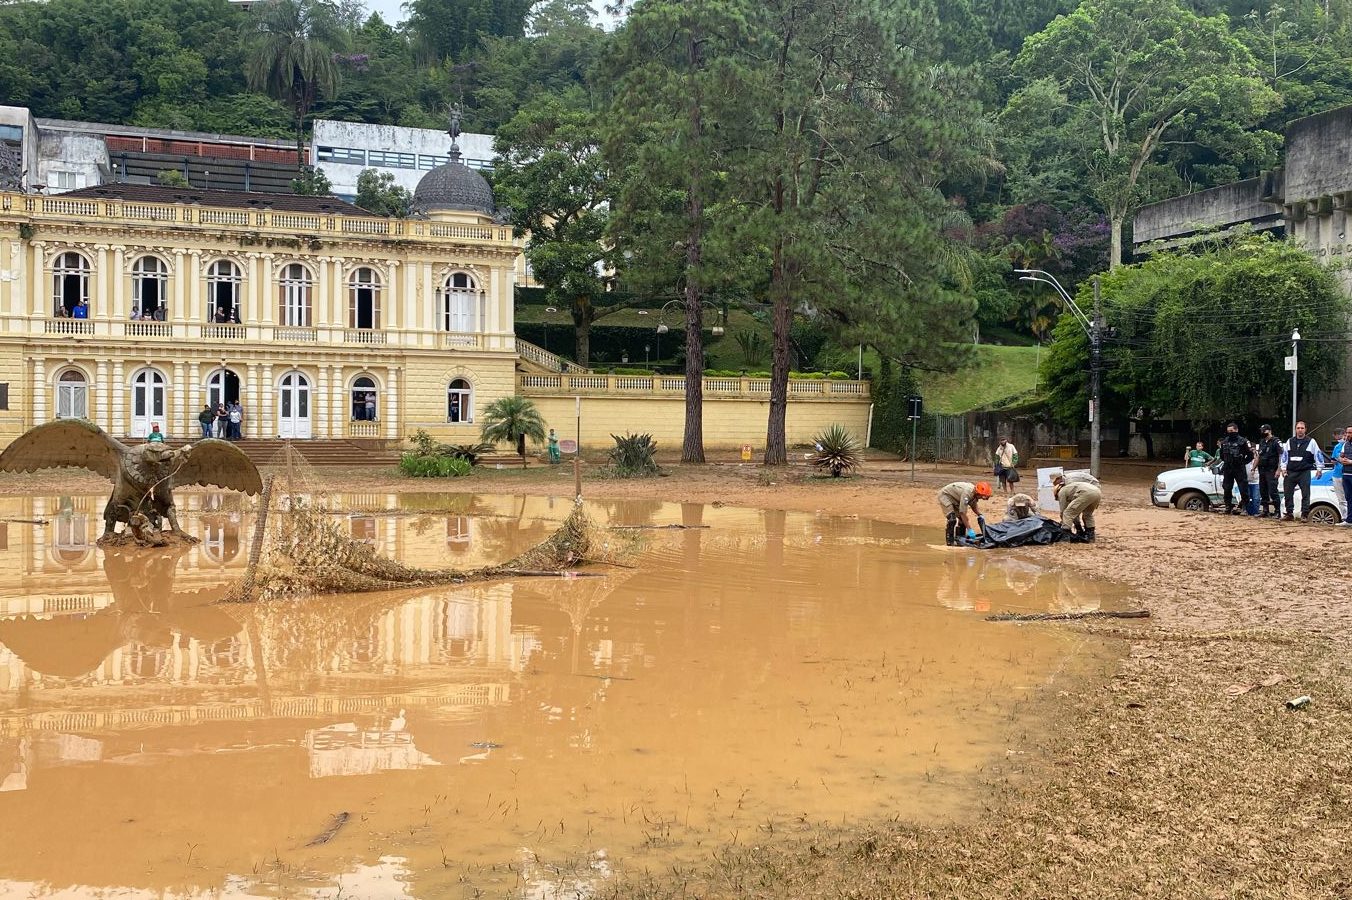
x=757, y=673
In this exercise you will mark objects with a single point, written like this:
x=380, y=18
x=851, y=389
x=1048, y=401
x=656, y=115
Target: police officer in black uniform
x=1235, y=454
x=1269, y=461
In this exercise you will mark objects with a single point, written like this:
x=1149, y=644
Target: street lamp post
x=1294, y=365
x=1094, y=330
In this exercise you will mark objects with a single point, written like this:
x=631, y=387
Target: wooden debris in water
x=1066, y=617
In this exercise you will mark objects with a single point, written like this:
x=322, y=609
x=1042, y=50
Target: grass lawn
x=999, y=373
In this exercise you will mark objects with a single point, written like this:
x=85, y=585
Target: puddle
x=771, y=672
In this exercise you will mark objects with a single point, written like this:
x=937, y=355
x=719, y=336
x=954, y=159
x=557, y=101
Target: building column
x=322, y=406
x=104, y=417
x=39, y=390
x=337, y=401
x=389, y=299
x=119, y=309
x=253, y=419
x=179, y=405
x=248, y=300
x=102, y=289
x=267, y=400
x=391, y=411
x=267, y=303
x=118, y=420
x=180, y=287
x=194, y=388
x=38, y=305
x=192, y=310
x=321, y=312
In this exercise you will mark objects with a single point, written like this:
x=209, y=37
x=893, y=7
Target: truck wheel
x=1195, y=501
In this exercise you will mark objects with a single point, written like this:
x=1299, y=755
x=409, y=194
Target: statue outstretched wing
x=218, y=463
x=66, y=442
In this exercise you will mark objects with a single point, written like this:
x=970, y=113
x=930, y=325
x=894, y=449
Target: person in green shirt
x=155, y=434
x=1196, y=457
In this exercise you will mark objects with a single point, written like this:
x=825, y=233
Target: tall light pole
x=1093, y=329
x=1293, y=363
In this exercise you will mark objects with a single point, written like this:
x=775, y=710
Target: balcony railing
x=462, y=340
x=364, y=336
x=292, y=333
x=113, y=212
x=67, y=326
x=363, y=429
x=550, y=361
x=224, y=332
x=147, y=329
x=674, y=386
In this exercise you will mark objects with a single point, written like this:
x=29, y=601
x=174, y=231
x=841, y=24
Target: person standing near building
x=235, y=414
x=554, y=456
x=370, y=406
x=1269, y=461
x=1254, y=485
x=156, y=436
x=1006, y=464
x=1342, y=473
x=1196, y=457
x=206, y=418
x=1235, y=455
x=955, y=500
x=1078, y=501
x=222, y=421
x=1300, y=456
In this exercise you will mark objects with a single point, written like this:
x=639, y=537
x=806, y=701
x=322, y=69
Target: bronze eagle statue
x=143, y=476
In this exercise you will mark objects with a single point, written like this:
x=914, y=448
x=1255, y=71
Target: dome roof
x=453, y=186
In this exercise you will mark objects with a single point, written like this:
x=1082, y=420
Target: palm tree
x=512, y=420
x=292, y=57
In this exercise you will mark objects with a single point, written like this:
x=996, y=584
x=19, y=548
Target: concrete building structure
x=343, y=150
x=1306, y=201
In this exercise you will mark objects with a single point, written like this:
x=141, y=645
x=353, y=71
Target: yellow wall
x=727, y=423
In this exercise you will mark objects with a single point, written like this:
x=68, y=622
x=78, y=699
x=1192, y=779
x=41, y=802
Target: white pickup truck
x=1199, y=488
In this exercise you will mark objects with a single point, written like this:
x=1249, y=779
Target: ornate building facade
x=135, y=305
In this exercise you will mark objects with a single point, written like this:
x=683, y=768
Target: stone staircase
x=318, y=453
x=537, y=360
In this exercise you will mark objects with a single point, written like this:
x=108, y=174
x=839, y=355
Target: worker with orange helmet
x=955, y=500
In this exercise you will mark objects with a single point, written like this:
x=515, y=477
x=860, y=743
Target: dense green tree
x=1140, y=74
x=453, y=28
x=550, y=173
x=378, y=193
x=291, y=56
x=678, y=89
x=1204, y=332
x=849, y=126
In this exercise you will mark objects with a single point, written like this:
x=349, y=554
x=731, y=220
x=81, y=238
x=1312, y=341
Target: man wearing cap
x=1269, y=461
x=955, y=500
x=1235, y=455
x=1078, y=501
x=1300, y=456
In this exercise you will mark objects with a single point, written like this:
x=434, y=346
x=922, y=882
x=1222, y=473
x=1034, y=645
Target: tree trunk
x=521, y=448
x=1115, y=241
x=582, y=329
x=692, y=449
x=776, y=447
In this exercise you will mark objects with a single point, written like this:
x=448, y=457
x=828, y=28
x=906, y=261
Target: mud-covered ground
x=1179, y=772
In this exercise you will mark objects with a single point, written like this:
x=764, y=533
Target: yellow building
x=131, y=305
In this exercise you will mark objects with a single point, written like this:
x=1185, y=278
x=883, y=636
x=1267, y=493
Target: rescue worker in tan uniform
x=1020, y=506
x=1078, y=501
x=955, y=500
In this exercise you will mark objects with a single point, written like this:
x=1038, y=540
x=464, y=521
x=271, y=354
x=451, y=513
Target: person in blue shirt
x=1342, y=473
x=81, y=311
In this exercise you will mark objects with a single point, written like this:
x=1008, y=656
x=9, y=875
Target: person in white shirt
x=1006, y=465
x=1300, y=456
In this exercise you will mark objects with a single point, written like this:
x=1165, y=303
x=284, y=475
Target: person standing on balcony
x=81, y=311
x=222, y=421
x=370, y=406
x=206, y=418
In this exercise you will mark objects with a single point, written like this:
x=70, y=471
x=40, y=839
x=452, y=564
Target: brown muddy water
x=764, y=675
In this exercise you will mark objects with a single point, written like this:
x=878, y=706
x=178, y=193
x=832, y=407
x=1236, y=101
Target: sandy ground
x=1175, y=773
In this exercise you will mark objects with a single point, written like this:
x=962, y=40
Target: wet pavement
x=767, y=673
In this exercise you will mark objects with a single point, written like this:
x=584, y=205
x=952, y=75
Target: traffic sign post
x=915, y=408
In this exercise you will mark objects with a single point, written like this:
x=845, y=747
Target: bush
x=415, y=466
x=470, y=453
x=634, y=455
x=837, y=451
x=839, y=376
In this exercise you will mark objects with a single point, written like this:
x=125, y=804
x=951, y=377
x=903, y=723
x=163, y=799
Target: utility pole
x=1095, y=380
x=1293, y=363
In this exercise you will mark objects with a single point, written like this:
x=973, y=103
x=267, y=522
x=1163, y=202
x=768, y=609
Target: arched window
x=70, y=286
x=364, y=303
x=72, y=395
x=460, y=402
x=459, y=302
x=294, y=290
x=224, y=283
x=149, y=278
x=365, y=400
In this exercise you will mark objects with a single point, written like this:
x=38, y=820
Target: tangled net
x=299, y=549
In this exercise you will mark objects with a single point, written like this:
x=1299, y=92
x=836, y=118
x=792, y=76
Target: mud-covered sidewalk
x=1177, y=771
